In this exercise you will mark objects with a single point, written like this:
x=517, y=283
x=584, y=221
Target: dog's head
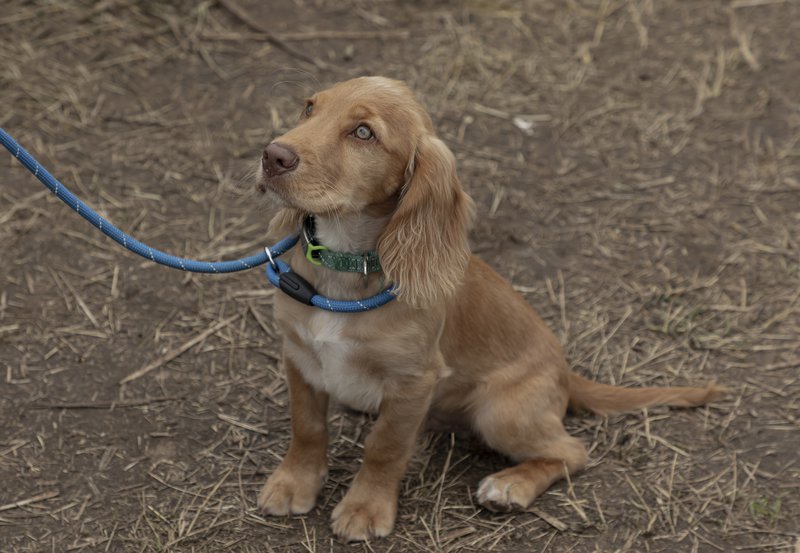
x=366, y=145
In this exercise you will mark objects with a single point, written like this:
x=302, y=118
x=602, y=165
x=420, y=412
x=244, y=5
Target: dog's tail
x=603, y=399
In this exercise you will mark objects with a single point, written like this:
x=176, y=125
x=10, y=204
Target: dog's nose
x=278, y=159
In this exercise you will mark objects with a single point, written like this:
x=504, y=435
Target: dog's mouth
x=265, y=184
x=284, y=190
x=299, y=188
x=275, y=186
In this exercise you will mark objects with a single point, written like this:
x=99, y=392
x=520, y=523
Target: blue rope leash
x=127, y=241
x=276, y=270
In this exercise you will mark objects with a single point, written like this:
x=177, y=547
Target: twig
x=240, y=424
x=200, y=531
x=348, y=35
x=170, y=355
x=34, y=499
x=245, y=18
x=312, y=35
x=205, y=502
x=260, y=320
x=549, y=519
x=107, y=404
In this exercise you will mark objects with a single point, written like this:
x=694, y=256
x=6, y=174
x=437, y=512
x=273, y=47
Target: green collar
x=316, y=253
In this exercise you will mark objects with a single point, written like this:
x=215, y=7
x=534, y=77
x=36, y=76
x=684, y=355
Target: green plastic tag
x=310, y=249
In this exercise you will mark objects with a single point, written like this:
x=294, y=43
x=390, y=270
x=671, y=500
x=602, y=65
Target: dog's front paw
x=290, y=490
x=362, y=518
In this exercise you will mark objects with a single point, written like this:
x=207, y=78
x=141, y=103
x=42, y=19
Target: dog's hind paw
x=497, y=494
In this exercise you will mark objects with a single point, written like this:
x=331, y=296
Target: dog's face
x=351, y=149
x=366, y=146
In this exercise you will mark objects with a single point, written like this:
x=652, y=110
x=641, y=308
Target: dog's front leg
x=295, y=484
x=370, y=506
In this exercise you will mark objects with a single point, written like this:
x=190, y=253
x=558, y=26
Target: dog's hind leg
x=523, y=421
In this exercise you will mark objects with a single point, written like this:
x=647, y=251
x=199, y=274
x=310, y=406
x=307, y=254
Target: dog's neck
x=353, y=233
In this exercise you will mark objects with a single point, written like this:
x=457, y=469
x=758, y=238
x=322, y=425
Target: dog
x=363, y=171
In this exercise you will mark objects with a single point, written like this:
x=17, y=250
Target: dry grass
x=635, y=164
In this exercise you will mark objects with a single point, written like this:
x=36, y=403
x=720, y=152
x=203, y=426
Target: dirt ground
x=636, y=166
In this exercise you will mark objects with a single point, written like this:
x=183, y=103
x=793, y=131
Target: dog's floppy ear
x=286, y=221
x=424, y=249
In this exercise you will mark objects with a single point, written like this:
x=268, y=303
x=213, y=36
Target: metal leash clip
x=271, y=261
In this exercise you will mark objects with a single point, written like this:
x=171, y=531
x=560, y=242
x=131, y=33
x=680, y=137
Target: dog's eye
x=309, y=110
x=363, y=132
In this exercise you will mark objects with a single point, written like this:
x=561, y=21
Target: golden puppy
x=458, y=344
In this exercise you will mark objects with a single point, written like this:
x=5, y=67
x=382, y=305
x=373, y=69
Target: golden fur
x=458, y=346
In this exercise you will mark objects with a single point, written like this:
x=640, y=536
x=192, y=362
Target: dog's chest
x=329, y=361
